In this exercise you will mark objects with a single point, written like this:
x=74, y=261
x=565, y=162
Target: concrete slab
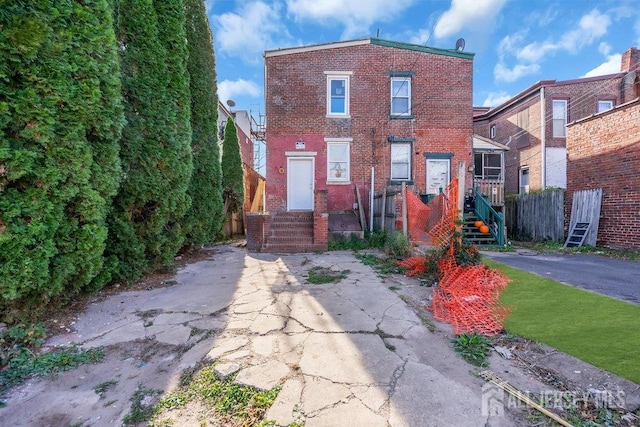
x=286, y=408
x=264, y=376
x=352, y=413
x=320, y=393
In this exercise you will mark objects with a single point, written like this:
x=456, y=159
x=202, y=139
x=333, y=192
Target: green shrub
x=61, y=117
x=397, y=245
x=204, y=220
x=232, y=173
x=474, y=348
x=144, y=230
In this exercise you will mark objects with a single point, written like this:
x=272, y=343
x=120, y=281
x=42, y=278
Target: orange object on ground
x=484, y=229
x=478, y=224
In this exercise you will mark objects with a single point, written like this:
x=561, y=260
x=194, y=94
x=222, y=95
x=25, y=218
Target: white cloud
x=471, y=15
x=592, y=26
x=496, y=98
x=356, y=16
x=250, y=31
x=604, y=48
x=611, y=66
x=421, y=37
x=502, y=73
x=228, y=89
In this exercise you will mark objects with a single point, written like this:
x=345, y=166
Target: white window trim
x=347, y=178
x=397, y=144
x=492, y=132
x=566, y=117
x=610, y=102
x=339, y=75
x=406, y=79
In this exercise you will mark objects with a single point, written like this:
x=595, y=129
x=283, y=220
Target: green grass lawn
x=600, y=330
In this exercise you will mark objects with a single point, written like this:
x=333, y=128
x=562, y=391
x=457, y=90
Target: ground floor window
x=338, y=161
x=401, y=161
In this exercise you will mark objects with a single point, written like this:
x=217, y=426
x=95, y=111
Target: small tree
x=232, y=173
x=204, y=220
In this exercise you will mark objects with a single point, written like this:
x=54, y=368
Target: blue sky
x=516, y=42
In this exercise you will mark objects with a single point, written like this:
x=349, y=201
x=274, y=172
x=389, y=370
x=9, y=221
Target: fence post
x=405, y=228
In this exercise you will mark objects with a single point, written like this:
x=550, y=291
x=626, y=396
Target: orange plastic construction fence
x=468, y=297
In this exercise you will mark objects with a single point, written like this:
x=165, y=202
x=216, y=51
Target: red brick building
x=336, y=110
x=603, y=151
x=533, y=123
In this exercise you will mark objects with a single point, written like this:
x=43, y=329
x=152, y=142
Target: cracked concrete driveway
x=353, y=352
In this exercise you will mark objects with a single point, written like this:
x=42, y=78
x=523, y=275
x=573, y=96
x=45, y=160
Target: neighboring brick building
x=533, y=123
x=336, y=110
x=603, y=151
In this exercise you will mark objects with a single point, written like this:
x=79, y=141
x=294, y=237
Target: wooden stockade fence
x=384, y=210
x=536, y=217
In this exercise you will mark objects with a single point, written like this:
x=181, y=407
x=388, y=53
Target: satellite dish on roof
x=231, y=103
x=460, y=44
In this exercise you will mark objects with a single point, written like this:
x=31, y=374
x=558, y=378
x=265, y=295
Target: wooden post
x=405, y=227
x=383, y=212
x=363, y=220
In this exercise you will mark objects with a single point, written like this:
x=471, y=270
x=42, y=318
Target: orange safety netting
x=467, y=296
x=417, y=216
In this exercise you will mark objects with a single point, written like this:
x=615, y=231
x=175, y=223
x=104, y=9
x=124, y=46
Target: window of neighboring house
x=401, y=161
x=559, y=118
x=524, y=180
x=338, y=161
x=401, y=96
x=492, y=132
x=488, y=165
x=338, y=94
x=604, y=106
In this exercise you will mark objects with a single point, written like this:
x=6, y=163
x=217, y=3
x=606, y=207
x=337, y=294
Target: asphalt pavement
x=613, y=277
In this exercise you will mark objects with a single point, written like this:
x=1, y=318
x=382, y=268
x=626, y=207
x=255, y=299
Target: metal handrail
x=488, y=215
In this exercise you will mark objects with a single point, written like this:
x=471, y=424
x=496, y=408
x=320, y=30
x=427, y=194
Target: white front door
x=300, y=184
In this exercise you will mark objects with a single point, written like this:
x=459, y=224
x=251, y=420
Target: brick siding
x=604, y=152
x=296, y=87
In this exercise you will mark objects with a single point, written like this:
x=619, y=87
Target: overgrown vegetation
x=204, y=220
x=19, y=357
x=144, y=230
x=382, y=265
x=61, y=117
x=233, y=404
x=318, y=275
x=473, y=347
x=232, y=172
x=142, y=406
x=549, y=246
x=394, y=244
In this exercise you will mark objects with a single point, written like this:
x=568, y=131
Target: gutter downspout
x=543, y=140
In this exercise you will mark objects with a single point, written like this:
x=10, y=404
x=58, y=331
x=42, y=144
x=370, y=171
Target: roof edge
x=371, y=40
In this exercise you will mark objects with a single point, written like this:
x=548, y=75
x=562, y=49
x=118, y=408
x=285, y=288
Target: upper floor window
x=559, y=118
x=492, y=132
x=338, y=93
x=401, y=96
x=604, y=106
x=338, y=161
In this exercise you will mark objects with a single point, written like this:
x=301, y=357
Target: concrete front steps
x=472, y=234
x=291, y=232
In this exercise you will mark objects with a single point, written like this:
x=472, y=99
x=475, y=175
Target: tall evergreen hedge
x=143, y=230
x=232, y=173
x=60, y=119
x=204, y=220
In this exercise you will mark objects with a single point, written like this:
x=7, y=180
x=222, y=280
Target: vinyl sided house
x=334, y=111
x=533, y=123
